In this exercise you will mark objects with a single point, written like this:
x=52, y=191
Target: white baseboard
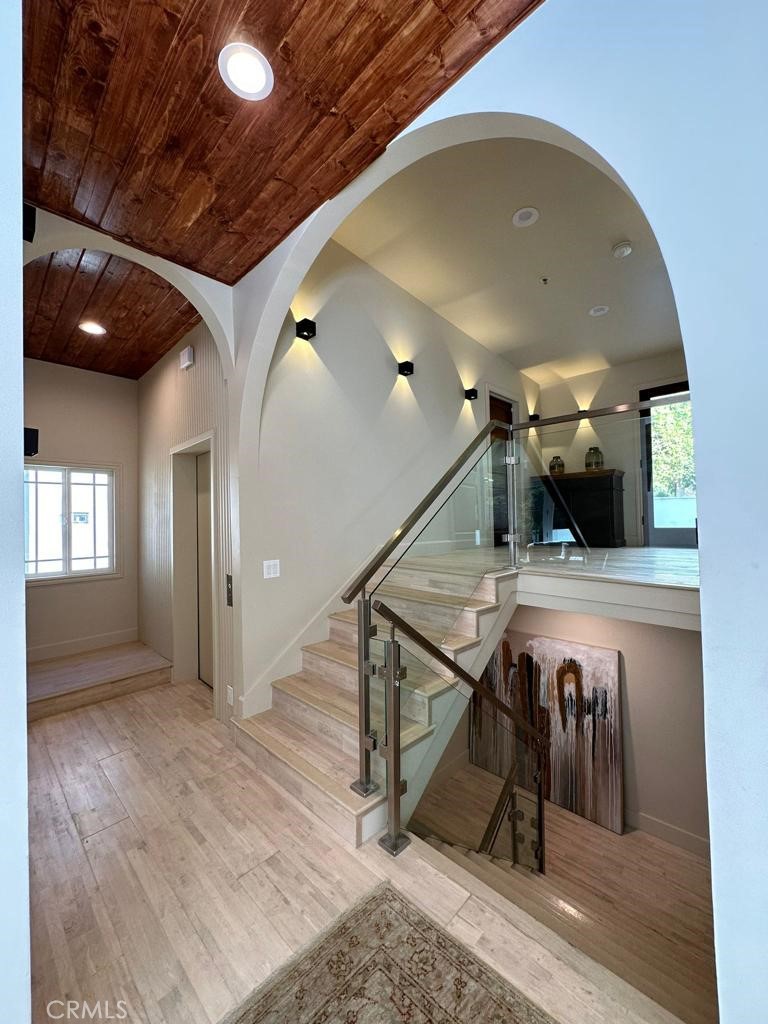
x=84, y=643
x=669, y=833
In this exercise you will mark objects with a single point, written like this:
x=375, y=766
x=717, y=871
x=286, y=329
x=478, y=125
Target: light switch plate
x=230, y=696
x=271, y=568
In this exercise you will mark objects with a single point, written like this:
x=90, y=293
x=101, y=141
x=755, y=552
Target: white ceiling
x=443, y=231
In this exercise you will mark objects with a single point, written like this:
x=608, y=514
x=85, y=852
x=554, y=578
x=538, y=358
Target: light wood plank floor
x=653, y=898
x=169, y=872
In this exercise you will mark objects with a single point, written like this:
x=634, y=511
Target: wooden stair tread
x=341, y=704
x=91, y=668
x=294, y=745
x=419, y=678
x=457, y=601
x=451, y=641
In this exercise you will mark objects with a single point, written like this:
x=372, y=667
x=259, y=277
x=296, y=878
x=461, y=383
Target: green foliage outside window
x=674, y=470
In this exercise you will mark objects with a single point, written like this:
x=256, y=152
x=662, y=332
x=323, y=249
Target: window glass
x=68, y=521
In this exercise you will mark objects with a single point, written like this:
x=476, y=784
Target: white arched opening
x=212, y=299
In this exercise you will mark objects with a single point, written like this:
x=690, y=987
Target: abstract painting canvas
x=570, y=692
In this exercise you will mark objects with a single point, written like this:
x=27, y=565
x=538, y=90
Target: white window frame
x=48, y=579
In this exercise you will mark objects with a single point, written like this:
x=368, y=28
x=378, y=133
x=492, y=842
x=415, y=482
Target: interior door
x=204, y=571
x=669, y=471
x=503, y=410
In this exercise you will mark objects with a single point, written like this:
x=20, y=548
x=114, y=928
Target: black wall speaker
x=28, y=222
x=31, y=447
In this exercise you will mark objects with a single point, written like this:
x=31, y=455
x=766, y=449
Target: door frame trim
x=205, y=442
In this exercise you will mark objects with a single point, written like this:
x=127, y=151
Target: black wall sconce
x=306, y=329
x=534, y=417
x=470, y=394
x=405, y=369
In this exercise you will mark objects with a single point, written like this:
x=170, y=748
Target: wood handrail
x=399, y=623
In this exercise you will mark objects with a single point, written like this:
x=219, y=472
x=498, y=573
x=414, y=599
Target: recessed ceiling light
x=599, y=310
x=91, y=327
x=621, y=250
x=246, y=71
x=524, y=217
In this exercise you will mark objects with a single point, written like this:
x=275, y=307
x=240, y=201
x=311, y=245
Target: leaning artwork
x=570, y=692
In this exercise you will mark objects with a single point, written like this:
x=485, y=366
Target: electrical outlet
x=272, y=569
x=230, y=696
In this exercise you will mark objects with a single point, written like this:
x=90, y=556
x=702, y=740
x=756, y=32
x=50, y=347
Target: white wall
x=175, y=407
x=89, y=418
x=673, y=97
x=14, y=872
x=618, y=437
x=665, y=787
x=348, y=447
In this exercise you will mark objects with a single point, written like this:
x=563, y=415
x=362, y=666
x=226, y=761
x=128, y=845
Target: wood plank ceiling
x=130, y=129
x=144, y=315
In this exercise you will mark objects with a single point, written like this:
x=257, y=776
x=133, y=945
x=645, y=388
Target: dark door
x=503, y=410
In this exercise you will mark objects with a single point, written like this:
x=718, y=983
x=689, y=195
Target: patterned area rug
x=384, y=962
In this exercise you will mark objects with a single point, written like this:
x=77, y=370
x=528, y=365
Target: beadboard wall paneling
x=175, y=407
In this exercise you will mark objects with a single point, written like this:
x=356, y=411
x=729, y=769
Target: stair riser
x=413, y=704
x=316, y=721
x=445, y=583
x=345, y=825
x=332, y=671
x=436, y=616
x=346, y=633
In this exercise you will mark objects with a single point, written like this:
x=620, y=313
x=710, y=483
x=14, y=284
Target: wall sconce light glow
x=525, y=216
x=306, y=329
x=91, y=327
x=405, y=369
x=470, y=394
x=246, y=71
x=599, y=310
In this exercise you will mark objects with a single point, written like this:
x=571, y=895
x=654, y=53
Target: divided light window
x=69, y=521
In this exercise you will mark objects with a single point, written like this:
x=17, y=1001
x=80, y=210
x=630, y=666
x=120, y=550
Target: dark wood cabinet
x=594, y=501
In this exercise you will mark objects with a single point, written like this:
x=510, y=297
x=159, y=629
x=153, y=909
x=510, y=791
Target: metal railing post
x=539, y=778
x=511, y=464
x=367, y=738
x=394, y=841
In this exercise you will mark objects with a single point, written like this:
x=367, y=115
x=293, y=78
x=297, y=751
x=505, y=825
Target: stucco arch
x=212, y=299
x=277, y=281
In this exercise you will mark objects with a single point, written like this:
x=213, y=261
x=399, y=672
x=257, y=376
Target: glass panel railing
x=516, y=833
x=613, y=496
x=435, y=579
x=439, y=714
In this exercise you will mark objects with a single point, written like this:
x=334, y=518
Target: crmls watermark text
x=81, y=1009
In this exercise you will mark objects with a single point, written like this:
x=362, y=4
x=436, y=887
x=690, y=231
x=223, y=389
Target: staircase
x=308, y=740
x=643, y=950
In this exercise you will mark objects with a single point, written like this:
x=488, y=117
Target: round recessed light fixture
x=621, y=250
x=246, y=71
x=599, y=310
x=525, y=216
x=91, y=327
